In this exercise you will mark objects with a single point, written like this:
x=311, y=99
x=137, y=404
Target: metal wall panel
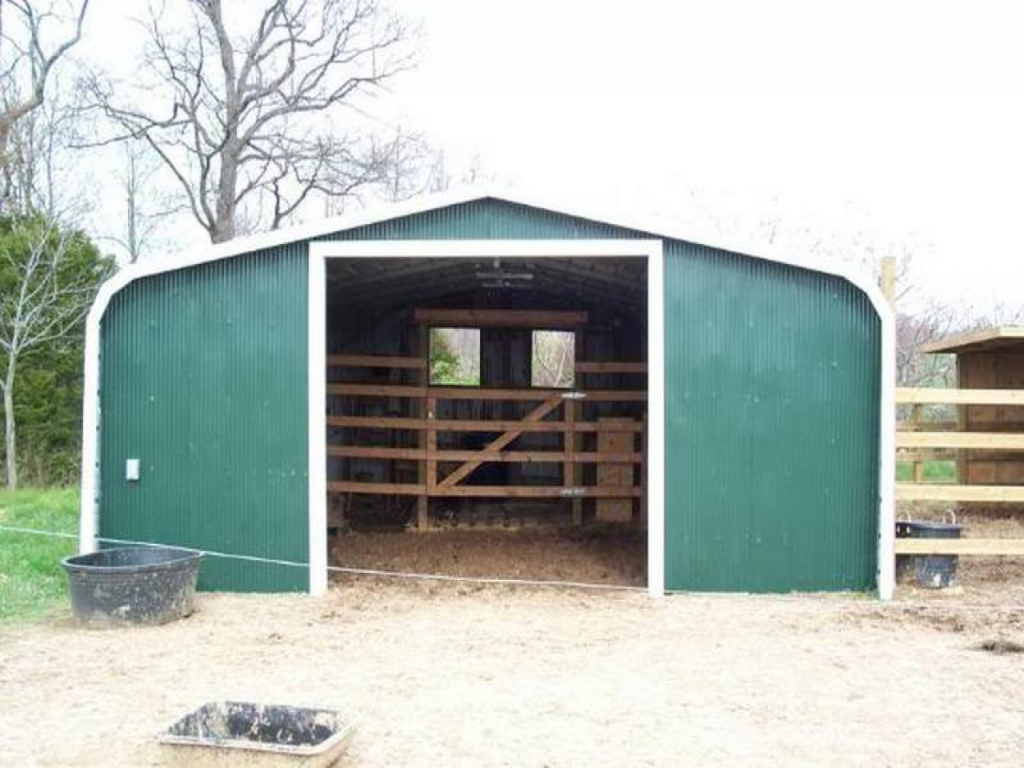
x=483, y=220
x=204, y=380
x=772, y=426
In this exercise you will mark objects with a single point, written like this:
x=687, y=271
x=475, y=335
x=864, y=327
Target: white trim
x=886, y=574
x=651, y=250
x=88, y=520
x=656, y=420
x=316, y=298
x=90, y=406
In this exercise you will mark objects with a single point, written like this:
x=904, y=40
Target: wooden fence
x=919, y=440
x=555, y=411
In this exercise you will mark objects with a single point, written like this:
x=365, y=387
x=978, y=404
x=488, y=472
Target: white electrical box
x=131, y=470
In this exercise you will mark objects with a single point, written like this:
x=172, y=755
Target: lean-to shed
x=251, y=382
x=988, y=358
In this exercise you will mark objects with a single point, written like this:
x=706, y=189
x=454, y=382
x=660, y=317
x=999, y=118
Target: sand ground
x=444, y=674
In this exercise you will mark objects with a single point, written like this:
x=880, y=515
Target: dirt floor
x=445, y=674
x=442, y=673
x=609, y=556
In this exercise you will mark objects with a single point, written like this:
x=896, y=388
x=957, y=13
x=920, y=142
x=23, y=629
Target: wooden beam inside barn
x=500, y=318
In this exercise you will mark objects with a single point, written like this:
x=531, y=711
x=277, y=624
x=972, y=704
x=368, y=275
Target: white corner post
x=886, y=575
x=317, y=418
x=88, y=519
x=656, y=419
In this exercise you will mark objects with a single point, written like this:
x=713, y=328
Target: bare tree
x=338, y=170
x=146, y=205
x=914, y=368
x=48, y=289
x=38, y=174
x=553, y=358
x=29, y=52
x=257, y=113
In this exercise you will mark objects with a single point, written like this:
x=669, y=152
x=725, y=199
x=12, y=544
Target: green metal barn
x=737, y=408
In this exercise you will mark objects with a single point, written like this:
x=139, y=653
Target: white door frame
x=651, y=250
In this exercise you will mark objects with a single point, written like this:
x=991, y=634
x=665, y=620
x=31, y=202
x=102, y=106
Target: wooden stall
x=989, y=359
x=398, y=437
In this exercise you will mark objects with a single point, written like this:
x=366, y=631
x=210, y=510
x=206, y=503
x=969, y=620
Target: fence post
x=888, y=280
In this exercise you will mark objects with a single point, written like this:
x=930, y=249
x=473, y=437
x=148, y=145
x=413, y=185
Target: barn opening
x=488, y=416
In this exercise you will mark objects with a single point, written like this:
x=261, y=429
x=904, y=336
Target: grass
x=933, y=471
x=32, y=582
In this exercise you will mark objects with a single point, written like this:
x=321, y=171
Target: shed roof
x=1002, y=337
x=654, y=226
x=331, y=228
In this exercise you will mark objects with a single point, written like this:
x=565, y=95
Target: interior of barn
x=495, y=405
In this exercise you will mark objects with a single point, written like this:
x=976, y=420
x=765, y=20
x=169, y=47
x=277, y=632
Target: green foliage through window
x=455, y=357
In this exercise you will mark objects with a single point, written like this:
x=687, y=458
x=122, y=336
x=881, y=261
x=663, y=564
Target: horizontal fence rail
x=982, y=547
x=920, y=439
x=375, y=361
x=480, y=393
x=929, y=395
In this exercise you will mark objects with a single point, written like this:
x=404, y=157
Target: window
x=455, y=356
x=554, y=359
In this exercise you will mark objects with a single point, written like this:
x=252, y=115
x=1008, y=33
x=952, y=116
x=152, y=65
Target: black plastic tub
x=137, y=585
x=237, y=732
x=929, y=571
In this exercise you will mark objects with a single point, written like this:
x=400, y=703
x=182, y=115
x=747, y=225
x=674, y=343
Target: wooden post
x=888, y=280
x=643, y=476
x=573, y=410
x=431, y=435
x=915, y=423
x=569, y=465
x=423, y=500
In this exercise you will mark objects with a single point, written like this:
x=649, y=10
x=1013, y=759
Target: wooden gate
x=412, y=436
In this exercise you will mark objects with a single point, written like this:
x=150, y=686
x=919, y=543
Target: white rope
x=353, y=571
x=895, y=605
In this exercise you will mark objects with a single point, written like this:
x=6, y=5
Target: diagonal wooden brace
x=500, y=442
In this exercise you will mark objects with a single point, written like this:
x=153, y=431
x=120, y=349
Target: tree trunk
x=10, y=442
x=226, y=205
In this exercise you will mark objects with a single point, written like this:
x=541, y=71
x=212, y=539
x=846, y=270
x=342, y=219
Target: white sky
x=851, y=128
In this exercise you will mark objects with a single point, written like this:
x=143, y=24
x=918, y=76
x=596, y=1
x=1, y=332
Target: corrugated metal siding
x=204, y=378
x=486, y=220
x=772, y=393
x=772, y=410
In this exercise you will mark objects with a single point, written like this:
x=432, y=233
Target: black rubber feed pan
x=928, y=571
x=233, y=733
x=137, y=585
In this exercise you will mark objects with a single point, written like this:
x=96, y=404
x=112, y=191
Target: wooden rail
x=991, y=440
x=609, y=367
x=354, y=486
x=954, y=492
x=928, y=395
x=478, y=393
x=375, y=361
x=376, y=390
x=425, y=451
x=475, y=425
x=984, y=547
x=500, y=318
